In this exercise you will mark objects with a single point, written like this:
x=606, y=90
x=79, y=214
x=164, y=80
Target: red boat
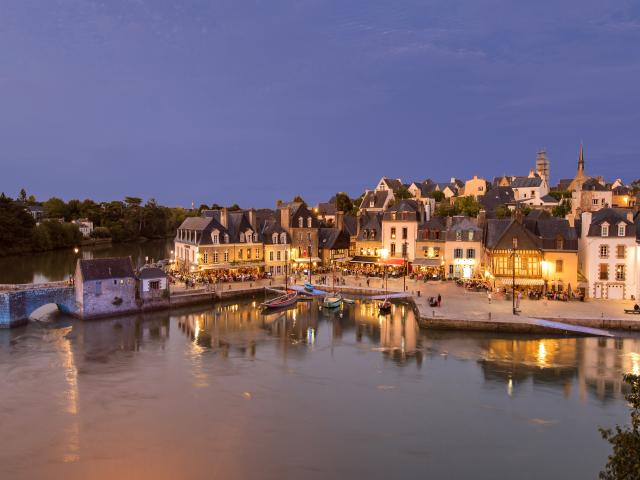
x=286, y=300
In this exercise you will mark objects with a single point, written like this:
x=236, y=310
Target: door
x=598, y=291
x=615, y=292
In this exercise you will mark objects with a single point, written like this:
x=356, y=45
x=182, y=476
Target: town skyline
x=175, y=102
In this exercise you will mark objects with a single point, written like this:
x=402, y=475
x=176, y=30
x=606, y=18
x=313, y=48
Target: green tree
x=23, y=196
x=635, y=185
x=234, y=208
x=624, y=462
x=402, y=193
x=502, y=212
x=343, y=202
x=563, y=209
x=468, y=206
x=437, y=195
x=16, y=227
x=55, y=208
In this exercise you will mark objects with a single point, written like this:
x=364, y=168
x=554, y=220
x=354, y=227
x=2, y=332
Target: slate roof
x=612, y=216
x=151, y=272
x=106, y=268
x=393, y=183
x=350, y=225
x=549, y=229
x=379, y=198
x=268, y=224
x=494, y=230
x=497, y=228
x=496, y=197
x=465, y=225
x=427, y=230
x=300, y=210
x=549, y=199
x=327, y=208
x=198, y=223
x=370, y=223
x=333, y=238
x=563, y=184
x=594, y=185
x=622, y=190
x=526, y=182
x=405, y=209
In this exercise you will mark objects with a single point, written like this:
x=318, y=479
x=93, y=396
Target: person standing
x=489, y=295
x=439, y=299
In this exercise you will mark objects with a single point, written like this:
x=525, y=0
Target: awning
x=427, y=262
x=393, y=261
x=364, y=259
x=532, y=282
x=306, y=260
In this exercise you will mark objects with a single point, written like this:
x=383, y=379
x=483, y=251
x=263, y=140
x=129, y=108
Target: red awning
x=393, y=261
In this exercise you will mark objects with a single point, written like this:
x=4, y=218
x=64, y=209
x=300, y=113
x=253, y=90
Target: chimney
x=284, y=218
x=224, y=217
x=482, y=218
x=252, y=219
x=586, y=223
x=571, y=218
x=630, y=215
x=453, y=180
x=339, y=220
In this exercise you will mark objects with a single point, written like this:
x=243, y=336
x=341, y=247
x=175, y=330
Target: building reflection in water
x=592, y=365
x=240, y=329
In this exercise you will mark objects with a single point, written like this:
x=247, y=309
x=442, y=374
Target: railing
x=31, y=286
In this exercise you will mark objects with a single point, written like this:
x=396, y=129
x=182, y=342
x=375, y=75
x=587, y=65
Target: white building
x=608, y=254
x=85, y=226
x=531, y=190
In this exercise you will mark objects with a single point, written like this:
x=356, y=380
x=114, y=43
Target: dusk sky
x=253, y=101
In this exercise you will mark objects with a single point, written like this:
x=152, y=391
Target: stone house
x=608, y=253
x=400, y=230
x=276, y=242
x=475, y=187
x=154, y=284
x=303, y=227
x=463, y=247
x=430, y=247
x=334, y=246
x=591, y=196
x=105, y=286
x=532, y=190
x=368, y=238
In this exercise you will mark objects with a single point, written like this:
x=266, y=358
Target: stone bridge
x=18, y=302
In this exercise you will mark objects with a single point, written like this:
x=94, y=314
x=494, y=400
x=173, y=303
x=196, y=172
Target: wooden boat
x=308, y=287
x=332, y=300
x=385, y=307
x=286, y=300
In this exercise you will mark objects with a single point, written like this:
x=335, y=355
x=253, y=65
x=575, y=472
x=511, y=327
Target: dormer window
x=458, y=235
x=226, y=239
x=559, y=243
x=622, y=230
x=309, y=222
x=604, y=230
x=255, y=237
x=242, y=238
x=214, y=238
x=471, y=235
x=274, y=238
x=300, y=222
x=283, y=238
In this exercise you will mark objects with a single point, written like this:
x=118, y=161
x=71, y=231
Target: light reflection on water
x=305, y=393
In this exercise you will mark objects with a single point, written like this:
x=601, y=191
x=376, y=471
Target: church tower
x=581, y=162
x=543, y=167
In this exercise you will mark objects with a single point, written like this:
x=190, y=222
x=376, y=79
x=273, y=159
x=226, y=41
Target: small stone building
x=105, y=286
x=154, y=287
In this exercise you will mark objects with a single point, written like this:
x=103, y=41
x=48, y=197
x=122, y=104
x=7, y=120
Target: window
x=604, y=230
x=471, y=235
x=404, y=249
x=248, y=254
x=309, y=222
x=559, y=266
x=604, y=251
x=436, y=251
x=278, y=269
x=283, y=238
x=154, y=285
x=603, y=272
x=214, y=238
x=404, y=233
x=274, y=238
x=594, y=201
x=458, y=235
x=226, y=256
x=205, y=258
x=240, y=253
x=215, y=257
x=621, y=230
x=620, y=273
x=255, y=237
x=471, y=253
x=309, y=237
x=621, y=251
x=393, y=249
x=457, y=253
x=559, y=243
x=257, y=253
x=277, y=255
x=533, y=193
x=393, y=233
x=300, y=220
x=271, y=257
x=450, y=269
x=242, y=238
x=226, y=238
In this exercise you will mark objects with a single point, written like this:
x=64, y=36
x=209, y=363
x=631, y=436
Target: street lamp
x=384, y=254
x=405, y=246
x=513, y=277
x=309, y=263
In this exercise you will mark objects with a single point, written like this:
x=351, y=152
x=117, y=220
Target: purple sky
x=251, y=101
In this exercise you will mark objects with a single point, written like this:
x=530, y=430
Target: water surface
x=224, y=392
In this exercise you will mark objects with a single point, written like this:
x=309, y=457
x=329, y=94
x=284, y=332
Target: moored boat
x=308, y=287
x=332, y=300
x=385, y=307
x=286, y=300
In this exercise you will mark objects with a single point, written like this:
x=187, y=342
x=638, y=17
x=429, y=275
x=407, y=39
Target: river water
x=59, y=264
x=225, y=392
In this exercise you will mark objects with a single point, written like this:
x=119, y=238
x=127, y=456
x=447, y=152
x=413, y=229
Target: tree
x=624, y=462
x=437, y=195
x=343, y=202
x=563, y=209
x=468, y=206
x=234, y=208
x=635, y=185
x=133, y=201
x=16, y=227
x=23, y=196
x=502, y=212
x=55, y=208
x=402, y=193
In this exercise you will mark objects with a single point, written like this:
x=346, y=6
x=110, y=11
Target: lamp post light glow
x=76, y=250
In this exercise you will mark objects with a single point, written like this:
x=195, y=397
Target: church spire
x=581, y=160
